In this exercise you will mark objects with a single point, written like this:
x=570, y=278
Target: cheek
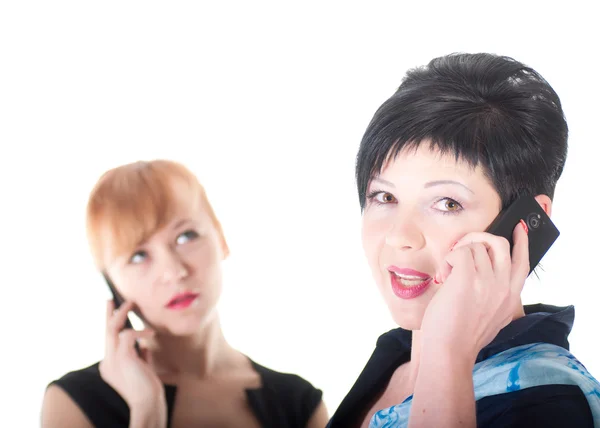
x=205, y=259
x=137, y=288
x=373, y=235
x=126, y=283
x=440, y=240
x=442, y=235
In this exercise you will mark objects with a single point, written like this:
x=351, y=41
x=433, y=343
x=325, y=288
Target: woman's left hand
x=479, y=295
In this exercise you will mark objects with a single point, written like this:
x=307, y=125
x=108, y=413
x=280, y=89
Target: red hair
x=131, y=202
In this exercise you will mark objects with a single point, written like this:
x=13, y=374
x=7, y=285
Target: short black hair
x=483, y=108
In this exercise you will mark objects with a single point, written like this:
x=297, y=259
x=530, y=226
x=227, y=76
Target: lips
x=182, y=300
x=408, y=283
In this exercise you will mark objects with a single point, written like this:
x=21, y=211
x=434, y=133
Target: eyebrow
x=382, y=181
x=182, y=222
x=427, y=185
x=441, y=182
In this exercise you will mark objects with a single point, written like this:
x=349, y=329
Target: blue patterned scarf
x=514, y=369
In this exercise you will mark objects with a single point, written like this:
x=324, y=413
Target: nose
x=405, y=234
x=173, y=267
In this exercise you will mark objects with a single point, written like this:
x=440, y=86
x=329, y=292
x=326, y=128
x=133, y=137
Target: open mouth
x=408, y=283
x=410, y=280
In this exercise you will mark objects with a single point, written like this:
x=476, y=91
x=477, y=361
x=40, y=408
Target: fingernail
x=435, y=281
x=524, y=226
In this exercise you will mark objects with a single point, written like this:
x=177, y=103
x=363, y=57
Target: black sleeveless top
x=284, y=400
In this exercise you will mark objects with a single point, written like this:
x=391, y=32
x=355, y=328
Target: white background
x=267, y=103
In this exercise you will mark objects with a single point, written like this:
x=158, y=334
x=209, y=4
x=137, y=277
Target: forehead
x=123, y=236
x=423, y=164
x=126, y=223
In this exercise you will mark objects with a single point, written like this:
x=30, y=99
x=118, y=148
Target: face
x=174, y=278
x=417, y=208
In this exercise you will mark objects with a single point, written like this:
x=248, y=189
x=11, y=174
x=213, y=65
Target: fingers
x=115, y=320
x=470, y=260
x=497, y=247
x=119, y=317
x=127, y=340
x=110, y=340
x=513, y=269
x=146, y=355
x=461, y=261
x=520, y=257
x=482, y=260
x=110, y=307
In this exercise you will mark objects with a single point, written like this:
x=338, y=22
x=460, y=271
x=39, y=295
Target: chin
x=189, y=324
x=407, y=313
x=407, y=324
x=408, y=319
x=194, y=325
x=183, y=330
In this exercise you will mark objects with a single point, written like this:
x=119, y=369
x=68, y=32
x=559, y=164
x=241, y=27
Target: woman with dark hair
x=459, y=141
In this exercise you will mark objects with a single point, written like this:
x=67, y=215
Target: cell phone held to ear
x=542, y=232
x=118, y=300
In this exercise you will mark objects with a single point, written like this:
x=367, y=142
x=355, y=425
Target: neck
x=200, y=354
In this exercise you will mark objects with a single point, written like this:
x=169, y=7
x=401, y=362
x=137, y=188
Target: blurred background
x=266, y=102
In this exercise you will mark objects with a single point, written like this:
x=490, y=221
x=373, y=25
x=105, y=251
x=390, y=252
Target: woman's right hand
x=130, y=375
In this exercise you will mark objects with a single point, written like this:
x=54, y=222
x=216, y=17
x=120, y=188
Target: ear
x=546, y=203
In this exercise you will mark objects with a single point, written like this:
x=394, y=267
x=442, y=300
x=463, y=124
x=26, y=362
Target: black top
x=283, y=401
x=544, y=406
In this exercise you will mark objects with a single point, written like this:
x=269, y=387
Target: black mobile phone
x=542, y=232
x=118, y=299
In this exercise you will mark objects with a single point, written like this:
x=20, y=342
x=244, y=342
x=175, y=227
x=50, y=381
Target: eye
x=138, y=257
x=382, y=198
x=187, y=236
x=448, y=206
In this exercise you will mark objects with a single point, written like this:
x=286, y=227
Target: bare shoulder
x=319, y=418
x=59, y=410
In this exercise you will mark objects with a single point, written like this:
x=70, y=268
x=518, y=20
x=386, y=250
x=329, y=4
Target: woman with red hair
x=156, y=239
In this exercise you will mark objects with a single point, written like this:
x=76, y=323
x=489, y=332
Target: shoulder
x=81, y=376
x=297, y=395
x=93, y=397
x=545, y=405
x=59, y=410
x=86, y=382
x=283, y=381
x=541, y=382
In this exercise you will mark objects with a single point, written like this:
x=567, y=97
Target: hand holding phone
x=482, y=278
x=130, y=374
x=542, y=233
x=118, y=302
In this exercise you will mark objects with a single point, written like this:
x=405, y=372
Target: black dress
x=542, y=406
x=283, y=401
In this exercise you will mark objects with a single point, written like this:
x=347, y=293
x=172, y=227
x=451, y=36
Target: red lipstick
x=182, y=300
x=408, y=283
